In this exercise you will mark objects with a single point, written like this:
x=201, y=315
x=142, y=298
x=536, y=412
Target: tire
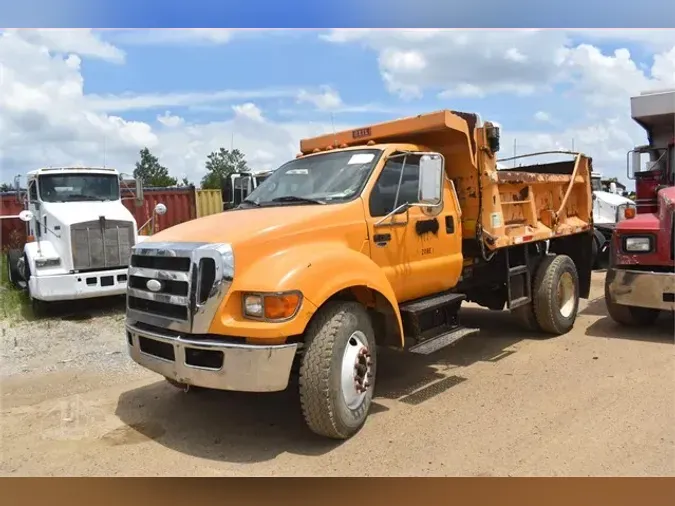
x=630, y=316
x=525, y=317
x=595, y=253
x=13, y=274
x=555, y=273
x=340, y=334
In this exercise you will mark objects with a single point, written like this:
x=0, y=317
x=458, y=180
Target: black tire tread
x=543, y=287
x=628, y=315
x=315, y=368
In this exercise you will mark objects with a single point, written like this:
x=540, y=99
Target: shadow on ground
x=662, y=331
x=242, y=427
x=74, y=310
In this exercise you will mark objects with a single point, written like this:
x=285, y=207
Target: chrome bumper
x=239, y=367
x=642, y=289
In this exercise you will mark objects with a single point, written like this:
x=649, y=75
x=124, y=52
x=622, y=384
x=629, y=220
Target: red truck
x=640, y=281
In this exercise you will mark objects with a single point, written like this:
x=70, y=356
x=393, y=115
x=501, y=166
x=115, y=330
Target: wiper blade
x=252, y=202
x=293, y=198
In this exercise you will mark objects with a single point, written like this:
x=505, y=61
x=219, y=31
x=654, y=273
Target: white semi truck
x=79, y=234
x=608, y=210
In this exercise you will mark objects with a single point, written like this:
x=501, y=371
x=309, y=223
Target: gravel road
x=597, y=401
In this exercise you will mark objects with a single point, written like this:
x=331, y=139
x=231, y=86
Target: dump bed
x=523, y=204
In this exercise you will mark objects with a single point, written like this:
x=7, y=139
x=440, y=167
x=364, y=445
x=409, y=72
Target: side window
x=383, y=197
x=32, y=191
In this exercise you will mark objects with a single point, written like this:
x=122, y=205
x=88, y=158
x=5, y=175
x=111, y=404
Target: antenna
x=332, y=122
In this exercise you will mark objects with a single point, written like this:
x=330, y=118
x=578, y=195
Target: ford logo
x=153, y=285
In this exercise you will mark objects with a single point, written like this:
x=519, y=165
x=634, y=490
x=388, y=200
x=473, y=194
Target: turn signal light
x=629, y=213
x=280, y=307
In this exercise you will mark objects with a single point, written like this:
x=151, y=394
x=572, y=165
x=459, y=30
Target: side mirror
x=432, y=167
x=25, y=216
x=160, y=209
x=634, y=164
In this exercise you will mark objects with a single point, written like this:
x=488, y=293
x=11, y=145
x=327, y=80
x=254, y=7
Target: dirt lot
x=598, y=401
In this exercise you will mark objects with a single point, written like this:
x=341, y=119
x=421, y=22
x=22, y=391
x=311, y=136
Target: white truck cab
x=80, y=235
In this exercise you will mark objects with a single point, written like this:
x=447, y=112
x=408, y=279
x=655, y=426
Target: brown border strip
x=339, y=491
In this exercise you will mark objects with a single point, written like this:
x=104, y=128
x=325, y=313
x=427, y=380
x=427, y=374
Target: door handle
x=450, y=224
x=381, y=239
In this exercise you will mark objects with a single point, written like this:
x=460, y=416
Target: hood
x=263, y=224
x=612, y=198
x=69, y=213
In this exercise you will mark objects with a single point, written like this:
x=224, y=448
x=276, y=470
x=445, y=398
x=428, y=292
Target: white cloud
x=542, y=116
x=249, y=111
x=169, y=120
x=83, y=42
x=326, y=98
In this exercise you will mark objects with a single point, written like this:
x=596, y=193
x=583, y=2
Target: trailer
x=372, y=237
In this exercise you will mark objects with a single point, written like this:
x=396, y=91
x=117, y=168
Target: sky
x=90, y=97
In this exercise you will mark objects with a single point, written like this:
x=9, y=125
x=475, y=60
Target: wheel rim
x=356, y=372
x=566, y=295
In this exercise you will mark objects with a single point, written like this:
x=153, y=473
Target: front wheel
x=337, y=373
x=630, y=316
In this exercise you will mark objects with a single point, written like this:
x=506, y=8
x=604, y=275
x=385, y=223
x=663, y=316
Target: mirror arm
x=392, y=213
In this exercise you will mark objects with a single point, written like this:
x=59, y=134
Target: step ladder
x=432, y=323
x=518, y=278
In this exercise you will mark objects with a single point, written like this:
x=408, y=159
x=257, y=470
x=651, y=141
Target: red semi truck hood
x=659, y=225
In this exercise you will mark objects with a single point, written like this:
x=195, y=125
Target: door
x=419, y=250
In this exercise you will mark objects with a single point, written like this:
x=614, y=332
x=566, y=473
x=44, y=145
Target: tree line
x=219, y=164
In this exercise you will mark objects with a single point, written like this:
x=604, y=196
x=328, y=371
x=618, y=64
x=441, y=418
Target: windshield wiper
x=251, y=202
x=293, y=198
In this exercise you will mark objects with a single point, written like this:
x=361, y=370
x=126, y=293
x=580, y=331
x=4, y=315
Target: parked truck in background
x=640, y=281
x=79, y=235
x=387, y=230
x=238, y=185
x=608, y=209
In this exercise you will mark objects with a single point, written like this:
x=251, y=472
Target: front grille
x=101, y=244
x=178, y=286
x=172, y=300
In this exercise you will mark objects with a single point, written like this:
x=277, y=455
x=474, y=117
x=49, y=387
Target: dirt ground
x=599, y=401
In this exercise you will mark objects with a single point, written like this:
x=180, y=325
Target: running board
x=441, y=341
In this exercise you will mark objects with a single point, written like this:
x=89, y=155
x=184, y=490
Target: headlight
x=271, y=306
x=637, y=244
x=42, y=263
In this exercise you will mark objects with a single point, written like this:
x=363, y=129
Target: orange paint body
x=320, y=250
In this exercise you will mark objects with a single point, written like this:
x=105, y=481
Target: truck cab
x=372, y=237
x=79, y=235
x=640, y=282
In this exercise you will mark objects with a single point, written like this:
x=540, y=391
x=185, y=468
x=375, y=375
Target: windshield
x=79, y=187
x=596, y=184
x=325, y=178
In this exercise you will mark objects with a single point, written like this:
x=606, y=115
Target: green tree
x=5, y=187
x=149, y=170
x=220, y=164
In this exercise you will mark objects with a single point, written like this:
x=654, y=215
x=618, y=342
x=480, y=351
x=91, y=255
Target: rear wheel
x=337, y=373
x=631, y=316
x=556, y=294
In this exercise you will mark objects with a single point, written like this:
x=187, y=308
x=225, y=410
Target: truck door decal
x=423, y=227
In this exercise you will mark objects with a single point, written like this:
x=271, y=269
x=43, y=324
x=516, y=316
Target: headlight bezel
x=648, y=238
x=263, y=297
x=47, y=263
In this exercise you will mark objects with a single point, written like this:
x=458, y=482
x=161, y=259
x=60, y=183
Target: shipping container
x=180, y=207
x=13, y=229
x=209, y=202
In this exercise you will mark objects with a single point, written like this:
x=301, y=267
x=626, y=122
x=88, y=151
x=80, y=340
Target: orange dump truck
x=369, y=237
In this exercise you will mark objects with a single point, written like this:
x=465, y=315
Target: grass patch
x=14, y=304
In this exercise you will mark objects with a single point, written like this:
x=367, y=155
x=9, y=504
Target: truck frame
x=640, y=281
x=386, y=230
